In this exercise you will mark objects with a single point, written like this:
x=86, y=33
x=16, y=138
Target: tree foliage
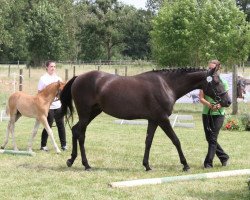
x=192, y=32
x=46, y=36
x=184, y=32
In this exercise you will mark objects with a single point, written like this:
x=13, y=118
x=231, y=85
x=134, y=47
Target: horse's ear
x=212, y=71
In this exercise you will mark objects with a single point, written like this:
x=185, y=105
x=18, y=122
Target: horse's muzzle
x=226, y=103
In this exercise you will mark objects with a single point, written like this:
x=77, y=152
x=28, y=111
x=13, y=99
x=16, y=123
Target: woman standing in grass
x=55, y=108
x=213, y=116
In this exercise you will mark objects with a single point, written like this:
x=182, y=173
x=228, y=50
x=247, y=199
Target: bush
x=232, y=123
x=245, y=120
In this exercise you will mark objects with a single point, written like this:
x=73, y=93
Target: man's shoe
x=64, y=148
x=44, y=148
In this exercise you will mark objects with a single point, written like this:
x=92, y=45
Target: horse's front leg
x=167, y=128
x=149, y=139
x=33, y=134
x=44, y=121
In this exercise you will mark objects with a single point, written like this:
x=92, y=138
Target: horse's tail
x=66, y=98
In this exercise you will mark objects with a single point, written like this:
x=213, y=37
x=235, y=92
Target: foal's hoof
x=186, y=168
x=69, y=163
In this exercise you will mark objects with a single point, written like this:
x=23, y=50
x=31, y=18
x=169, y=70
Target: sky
x=135, y=3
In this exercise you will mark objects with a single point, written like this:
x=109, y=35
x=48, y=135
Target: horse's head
x=241, y=84
x=60, y=86
x=214, y=88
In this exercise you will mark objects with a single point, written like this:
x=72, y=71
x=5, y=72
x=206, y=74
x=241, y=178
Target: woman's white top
x=44, y=81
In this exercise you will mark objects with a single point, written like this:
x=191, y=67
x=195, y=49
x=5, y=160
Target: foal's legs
x=44, y=121
x=167, y=128
x=149, y=139
x=33, y=134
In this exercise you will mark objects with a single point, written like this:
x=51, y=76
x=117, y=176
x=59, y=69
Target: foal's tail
x=66, y=98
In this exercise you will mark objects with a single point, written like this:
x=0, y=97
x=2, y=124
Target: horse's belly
x=27, y=111
x=126, y=111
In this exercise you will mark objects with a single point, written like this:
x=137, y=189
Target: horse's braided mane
x=180, y=70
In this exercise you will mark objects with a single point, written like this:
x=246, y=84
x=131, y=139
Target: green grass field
x=115, y=153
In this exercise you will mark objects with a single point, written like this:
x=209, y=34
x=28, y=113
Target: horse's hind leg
x=149, y=138
x=11, y=128
x=78, y=132
x=33, y=134
x=167, y=128
x=7, y=134
x=75, y=136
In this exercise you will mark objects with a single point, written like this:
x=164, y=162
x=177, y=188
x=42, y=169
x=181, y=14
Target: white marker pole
x=13, y=152
x=170, y=179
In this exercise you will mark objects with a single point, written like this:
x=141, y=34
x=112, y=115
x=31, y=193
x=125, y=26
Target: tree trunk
x=234, y=82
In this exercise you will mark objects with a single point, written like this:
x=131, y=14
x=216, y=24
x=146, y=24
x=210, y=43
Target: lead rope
x=210, y=116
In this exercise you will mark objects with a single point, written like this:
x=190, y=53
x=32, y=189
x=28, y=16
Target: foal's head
x=214, y=87
x=60, y=86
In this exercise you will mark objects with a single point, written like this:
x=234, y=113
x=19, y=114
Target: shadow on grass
x=77, y=168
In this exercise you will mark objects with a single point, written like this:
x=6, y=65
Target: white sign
x=193, y=96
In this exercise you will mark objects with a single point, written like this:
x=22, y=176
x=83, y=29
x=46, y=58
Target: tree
x=136, y=28
x=6, y=39
x=173, y=33
x=154, y=5
x=100, y=33
x=46, y=35
x=193, y=32
x=245, y=6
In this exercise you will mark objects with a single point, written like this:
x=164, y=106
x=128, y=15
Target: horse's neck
x=184, y=82
x=48, y=94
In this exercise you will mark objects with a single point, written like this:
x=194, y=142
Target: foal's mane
x=48, y=88
x=180, y=70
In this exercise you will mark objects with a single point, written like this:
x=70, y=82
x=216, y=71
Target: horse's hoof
x=186, y=168
x=88, y=168
x=69, y=163
x=147, y=168
x=58, y=151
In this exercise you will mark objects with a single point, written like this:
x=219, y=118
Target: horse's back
x=122, y=97
x=21, y=102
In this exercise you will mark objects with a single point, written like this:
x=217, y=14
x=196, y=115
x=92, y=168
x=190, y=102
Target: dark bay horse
x=150, y=95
